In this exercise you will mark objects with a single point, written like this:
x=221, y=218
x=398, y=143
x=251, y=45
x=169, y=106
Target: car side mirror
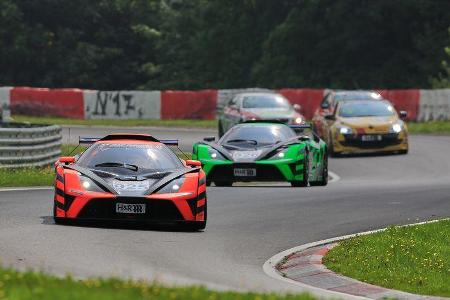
x=330, y=117
x=297, y=107
x=193, y=163
x=209, y=138
x=304, y=138
x=403, y=114
x=66, y=159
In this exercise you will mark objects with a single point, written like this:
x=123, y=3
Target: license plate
x=245, y=172
x=124, y=208
x=371, y=138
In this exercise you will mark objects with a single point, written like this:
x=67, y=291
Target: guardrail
x=29, y=145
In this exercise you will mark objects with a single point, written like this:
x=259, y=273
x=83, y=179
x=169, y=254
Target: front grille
x=105, y=208
x=263, y=173
x=388, y=139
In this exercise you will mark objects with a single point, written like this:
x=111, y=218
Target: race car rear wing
x=140, y=137
x=300, y=126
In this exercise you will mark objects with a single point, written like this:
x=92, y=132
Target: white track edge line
x=31, y=188
x=334, y=177
x=271, y=263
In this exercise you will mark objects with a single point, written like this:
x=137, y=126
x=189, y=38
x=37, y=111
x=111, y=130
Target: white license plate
x=124, y=208
x=245, y=172
x=371, y=138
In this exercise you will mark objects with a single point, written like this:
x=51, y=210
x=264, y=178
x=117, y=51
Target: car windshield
x=265, y=101
x=251, y=135
x=366, y=109
x=136, y=158
x=357, y=96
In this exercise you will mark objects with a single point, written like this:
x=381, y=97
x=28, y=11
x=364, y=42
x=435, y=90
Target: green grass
x=415, y=259
x=42, y=176
x=119, y=123
x=38, y=286
x=434, y=127
x=26, y=177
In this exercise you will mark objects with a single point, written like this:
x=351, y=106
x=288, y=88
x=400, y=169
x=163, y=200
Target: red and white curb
x=303, y=267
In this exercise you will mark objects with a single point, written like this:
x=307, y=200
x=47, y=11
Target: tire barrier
x=309, y=99
x=188, y=105
x=421, y=105
x=67, y=103
x=434, y=105
x=28, y=145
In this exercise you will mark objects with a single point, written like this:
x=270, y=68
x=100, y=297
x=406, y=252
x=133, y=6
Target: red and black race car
x=130, y=177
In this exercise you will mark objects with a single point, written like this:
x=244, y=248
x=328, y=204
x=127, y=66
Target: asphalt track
x=246, y=225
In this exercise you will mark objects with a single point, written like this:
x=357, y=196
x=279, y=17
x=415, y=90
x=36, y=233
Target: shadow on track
x=122, y=225
x=375, y=154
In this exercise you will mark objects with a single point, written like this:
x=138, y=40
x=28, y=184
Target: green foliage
x=356, y=44
x=197, y=44
x=413, y=259
x=78, y=43
x=443, y=79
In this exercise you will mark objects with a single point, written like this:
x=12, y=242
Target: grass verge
x=42, y=176
x=415, y=259
x=26, y=177
x=31, y=285
x=434, y=127
x=120, y=123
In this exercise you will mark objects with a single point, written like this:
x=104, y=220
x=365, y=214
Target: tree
x=105, y=44
x=443, y=79
x=356, y=44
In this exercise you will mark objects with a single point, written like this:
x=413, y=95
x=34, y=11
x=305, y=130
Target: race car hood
x=128, y=185
x=383, y=123
x=271, y=113
x=250, y=154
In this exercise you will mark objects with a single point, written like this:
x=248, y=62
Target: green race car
x=264, y=151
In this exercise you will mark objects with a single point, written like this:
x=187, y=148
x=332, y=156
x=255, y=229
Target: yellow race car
x=365, y=127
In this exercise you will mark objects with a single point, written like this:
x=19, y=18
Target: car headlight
x=298, y=120
x=280, y=154
x=214, y=154
x=172, y=187
x=89, y=185
x=345, y=130
x=396, y=128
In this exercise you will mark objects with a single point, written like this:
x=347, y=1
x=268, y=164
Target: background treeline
x=196, y=44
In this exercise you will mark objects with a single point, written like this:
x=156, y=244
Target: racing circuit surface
x=246, y=225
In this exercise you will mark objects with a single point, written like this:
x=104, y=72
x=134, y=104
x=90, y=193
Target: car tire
x=223, y=183
x=304, y=182
x=324, y=180
x=201, y=225
x=331, y=152
x=220, y=129
x=55, y=218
